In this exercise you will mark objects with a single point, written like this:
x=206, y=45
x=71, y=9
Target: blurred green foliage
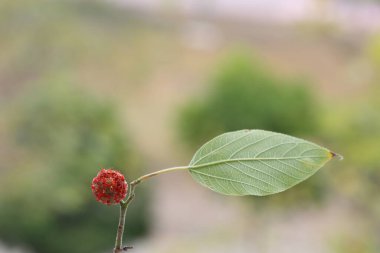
x=374, y=52
x=59, y=138
x=55, y=138
x=354, y=129
x=244, y=94
x=353, y=244
x=363, y=136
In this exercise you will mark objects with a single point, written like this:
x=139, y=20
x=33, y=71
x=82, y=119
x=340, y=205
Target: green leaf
x=256, y=162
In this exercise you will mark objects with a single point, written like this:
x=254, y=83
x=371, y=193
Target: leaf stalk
x=142, y=178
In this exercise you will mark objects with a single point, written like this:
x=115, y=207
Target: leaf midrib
x=250, y=159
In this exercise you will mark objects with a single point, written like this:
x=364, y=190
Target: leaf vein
x=280, y=171
x=250, y=144
x=294, y=167
x=249, y=175
x=309, y=150
x=291, y=148
x=224, y=186
x=273, y=147
x=278, y=179
x=228, y=179
x=223, y=146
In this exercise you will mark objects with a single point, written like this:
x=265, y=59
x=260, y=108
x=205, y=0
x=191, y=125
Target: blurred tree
x=59, y=138
x=244, y=94
x=363, y=134
x=355, y=132
x=354, y=128
x=55, y=138
x=374, y=52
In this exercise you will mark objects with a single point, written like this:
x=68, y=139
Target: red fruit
x=109, y=187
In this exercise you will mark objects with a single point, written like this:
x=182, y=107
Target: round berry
x=109, y=187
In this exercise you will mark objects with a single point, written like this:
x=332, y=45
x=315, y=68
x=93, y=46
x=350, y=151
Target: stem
x=142, y=178
x=120, y=229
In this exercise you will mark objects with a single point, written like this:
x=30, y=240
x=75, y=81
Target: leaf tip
x=335, y=155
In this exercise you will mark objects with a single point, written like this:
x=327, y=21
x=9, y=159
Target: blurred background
x=140, y=85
